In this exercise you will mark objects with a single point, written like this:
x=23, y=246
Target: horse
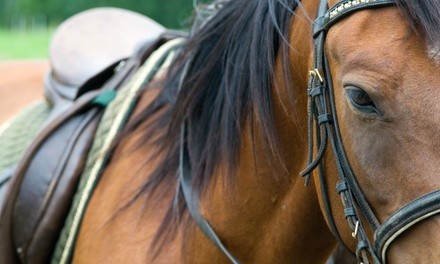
x=207, y=170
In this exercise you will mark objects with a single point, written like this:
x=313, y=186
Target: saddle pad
x=113, y=120
x=15, y=136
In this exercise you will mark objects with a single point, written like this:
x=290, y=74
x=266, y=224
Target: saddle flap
x=47, y=187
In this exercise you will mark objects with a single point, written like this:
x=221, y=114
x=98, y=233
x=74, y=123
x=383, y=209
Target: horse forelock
x=228, y=66
x=425, y=16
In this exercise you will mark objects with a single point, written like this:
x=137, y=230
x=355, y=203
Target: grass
x=24, y=44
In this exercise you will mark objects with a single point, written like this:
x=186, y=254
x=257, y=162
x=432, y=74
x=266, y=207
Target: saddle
x=87, y=47
x=41, y=186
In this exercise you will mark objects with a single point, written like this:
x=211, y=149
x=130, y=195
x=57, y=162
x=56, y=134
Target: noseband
x=323, y=128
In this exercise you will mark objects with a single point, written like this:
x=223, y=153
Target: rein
x=323, y=128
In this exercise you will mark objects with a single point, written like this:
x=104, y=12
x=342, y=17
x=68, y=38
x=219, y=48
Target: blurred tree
x=170, y=13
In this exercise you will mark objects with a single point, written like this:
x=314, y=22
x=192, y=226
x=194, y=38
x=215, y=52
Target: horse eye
x=361, y=100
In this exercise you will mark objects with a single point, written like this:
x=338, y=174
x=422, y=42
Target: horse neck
x=265, y=217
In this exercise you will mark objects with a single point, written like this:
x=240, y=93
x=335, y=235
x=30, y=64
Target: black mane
x=230, y=63
x=423, y=15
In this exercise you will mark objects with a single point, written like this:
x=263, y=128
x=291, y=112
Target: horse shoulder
x=113, y=225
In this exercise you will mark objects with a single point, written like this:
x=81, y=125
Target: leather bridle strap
x=322, y=109
x=185, y=184
x=406, y=217
x=191, y=198
x=317, y=110
x=344, y=9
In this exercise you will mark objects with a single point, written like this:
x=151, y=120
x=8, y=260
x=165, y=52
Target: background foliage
x=26, y=26
x=47, y=13
x=24, y=44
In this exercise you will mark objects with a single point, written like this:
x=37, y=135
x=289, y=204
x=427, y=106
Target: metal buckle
x=356, y=230
x=316, y=73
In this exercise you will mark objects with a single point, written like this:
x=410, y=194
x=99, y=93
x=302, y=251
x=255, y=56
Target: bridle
x=323, y=128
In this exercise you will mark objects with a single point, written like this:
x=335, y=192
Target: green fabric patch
x=104, y=98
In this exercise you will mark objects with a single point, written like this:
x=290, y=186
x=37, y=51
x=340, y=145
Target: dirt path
x=21, y=83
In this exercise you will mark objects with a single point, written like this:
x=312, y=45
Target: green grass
x=24, y=44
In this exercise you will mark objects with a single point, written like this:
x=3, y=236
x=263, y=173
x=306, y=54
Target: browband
x=343, y=9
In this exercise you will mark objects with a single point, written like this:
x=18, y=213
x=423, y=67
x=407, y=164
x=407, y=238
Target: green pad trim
x=103, y=99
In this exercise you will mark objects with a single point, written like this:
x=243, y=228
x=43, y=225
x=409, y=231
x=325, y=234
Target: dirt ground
x=21, y=83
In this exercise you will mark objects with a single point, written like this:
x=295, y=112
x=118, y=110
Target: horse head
x=376, y=65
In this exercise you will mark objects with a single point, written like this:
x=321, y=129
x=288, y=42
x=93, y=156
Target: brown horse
x=207, y=170
x=243, y=102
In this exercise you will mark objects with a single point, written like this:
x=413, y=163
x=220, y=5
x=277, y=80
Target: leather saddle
x=89, y=43
x=92, y=54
